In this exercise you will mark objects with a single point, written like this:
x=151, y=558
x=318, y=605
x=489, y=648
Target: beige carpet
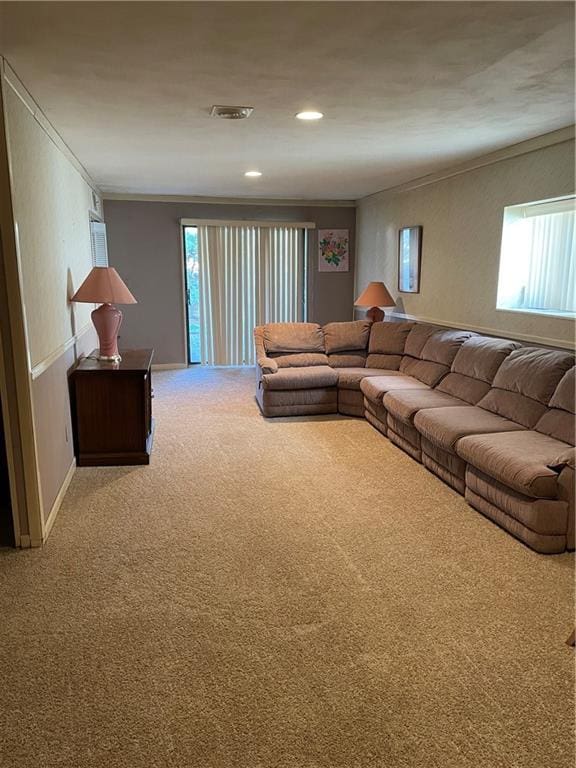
x=295, y=593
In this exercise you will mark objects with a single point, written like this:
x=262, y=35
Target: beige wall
x=462, y=220
x=144, y=242
x=51, y=198
x=51, y=202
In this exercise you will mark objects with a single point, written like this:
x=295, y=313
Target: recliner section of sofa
x=294, y=376
x=492, y=418
x=530, y=472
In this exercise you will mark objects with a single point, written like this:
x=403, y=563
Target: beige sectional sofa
x=491, y=417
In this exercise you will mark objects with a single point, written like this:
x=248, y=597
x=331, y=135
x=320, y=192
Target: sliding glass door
x=240, y=276
x=192, y=282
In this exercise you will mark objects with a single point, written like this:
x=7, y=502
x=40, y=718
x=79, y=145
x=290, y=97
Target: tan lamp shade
x=104, y=286
x=375, y=295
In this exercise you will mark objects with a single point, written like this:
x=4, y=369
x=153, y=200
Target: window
x=98, y=244
x=537, y=259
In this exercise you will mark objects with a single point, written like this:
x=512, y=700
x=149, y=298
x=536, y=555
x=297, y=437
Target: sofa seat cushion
x=519, y=460
x=405, y=404
x=445, y=426
x=301, y=378
x=350, y=378
x=375, y=387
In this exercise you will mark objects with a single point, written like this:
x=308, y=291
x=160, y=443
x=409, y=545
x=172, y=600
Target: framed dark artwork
x=409, y=259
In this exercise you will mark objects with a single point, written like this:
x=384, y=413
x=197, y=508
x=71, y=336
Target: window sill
x=540, y=312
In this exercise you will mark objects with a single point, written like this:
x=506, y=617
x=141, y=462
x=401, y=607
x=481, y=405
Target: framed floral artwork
x=333, y=250
x=409, y=259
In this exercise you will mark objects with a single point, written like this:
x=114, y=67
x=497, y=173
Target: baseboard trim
x=500, y=333
x=57, y=502
x=168, y=366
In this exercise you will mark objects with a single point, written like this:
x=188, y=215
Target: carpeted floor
x=295, y=593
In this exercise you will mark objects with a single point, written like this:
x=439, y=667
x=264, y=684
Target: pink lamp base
x=107, y=320
x=375, y=315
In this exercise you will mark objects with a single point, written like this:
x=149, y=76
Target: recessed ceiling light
x=309, y=115
x=253, y=174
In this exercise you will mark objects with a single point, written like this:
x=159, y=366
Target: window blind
x=538, y=258
x=99, y=244
x=249, y=275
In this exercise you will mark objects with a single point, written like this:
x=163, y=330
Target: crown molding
x=18, y=87
x=301, y=203
x=506, y=153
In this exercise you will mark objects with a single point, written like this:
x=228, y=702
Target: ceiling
x=407, y=88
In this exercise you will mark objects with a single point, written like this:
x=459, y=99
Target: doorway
x=192, y=277
x=6, y=520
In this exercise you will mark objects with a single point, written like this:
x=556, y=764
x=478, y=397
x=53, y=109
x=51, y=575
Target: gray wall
x=144, y=246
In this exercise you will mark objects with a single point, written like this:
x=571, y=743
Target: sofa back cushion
x=347, y=343
x=293, y=337
x=474, y=367
x=559, y=420
x=435, y=356
x=480, y=357
x=443, y=346
x=342, y=337
x=295, y=344
x=417, y=338
x=387, y=342
x=564, y=394
x=525, y=383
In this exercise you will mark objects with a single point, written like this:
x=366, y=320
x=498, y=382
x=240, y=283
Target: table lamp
x=375, y=296
x=105, y=286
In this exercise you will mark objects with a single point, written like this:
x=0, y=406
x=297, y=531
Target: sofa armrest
x=265, y=363
x=565, y=459
x=268, y=365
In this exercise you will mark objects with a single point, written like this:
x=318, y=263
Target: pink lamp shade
x=105, y=286
x=376, y=295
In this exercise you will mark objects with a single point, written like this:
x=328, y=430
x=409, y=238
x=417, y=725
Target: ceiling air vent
x=230, y=113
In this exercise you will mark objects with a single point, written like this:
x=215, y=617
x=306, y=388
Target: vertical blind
x=550, y=283
x=537, y=262
x=249, y=275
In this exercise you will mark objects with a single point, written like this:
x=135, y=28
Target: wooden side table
x=112, y=410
